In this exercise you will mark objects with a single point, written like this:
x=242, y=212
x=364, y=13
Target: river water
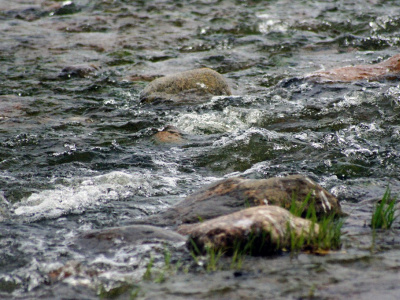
x=77, y=154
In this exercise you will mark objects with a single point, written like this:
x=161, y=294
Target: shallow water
x=76, y=153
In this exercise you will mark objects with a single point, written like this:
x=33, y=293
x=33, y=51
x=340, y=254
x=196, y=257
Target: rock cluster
x=228, y=213
x=234, y=194
x=232, y=211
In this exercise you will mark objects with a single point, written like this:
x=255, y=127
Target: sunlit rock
x=106, y=240
x=78, y=71
x=261, y=230
x=169, y=135
x=189, y=86
x=233, y=194
x=388, y=69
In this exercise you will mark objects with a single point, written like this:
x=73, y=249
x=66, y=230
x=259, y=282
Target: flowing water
x=76, y=153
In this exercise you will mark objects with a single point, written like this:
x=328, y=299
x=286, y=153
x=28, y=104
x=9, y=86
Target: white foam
x=90, y=192
x=215, y=122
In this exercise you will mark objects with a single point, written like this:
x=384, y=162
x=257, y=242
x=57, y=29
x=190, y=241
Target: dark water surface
x=76, y=153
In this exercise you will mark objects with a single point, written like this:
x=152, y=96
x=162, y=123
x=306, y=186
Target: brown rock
x=261, y=230
x=169, y=135
x=234, y=194
x=190, y=86
x=388, y=69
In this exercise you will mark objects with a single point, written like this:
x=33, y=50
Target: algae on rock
x=189, y=86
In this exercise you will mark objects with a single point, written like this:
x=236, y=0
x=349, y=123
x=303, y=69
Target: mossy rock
x=189, y=86
x=234, y=194
x=261, y=230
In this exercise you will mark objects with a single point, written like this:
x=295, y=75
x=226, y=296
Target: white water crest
x=228, y=120
x=91, y=192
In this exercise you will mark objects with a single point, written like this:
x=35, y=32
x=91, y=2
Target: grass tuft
x=147, y=274
x=384, y=212
x=328, y=237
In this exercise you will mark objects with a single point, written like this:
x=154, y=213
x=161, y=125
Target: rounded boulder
x=189, y=86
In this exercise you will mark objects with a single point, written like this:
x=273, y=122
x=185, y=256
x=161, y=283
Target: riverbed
x=77, y=151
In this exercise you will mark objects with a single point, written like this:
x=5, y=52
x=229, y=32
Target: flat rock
x=261, y=230
x=110, y=239
x=234, y=194
x=388, y=69
x=189, y=86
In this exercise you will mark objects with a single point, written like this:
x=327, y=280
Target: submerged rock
x=260, y=230
x=78, y=71
x=233, y=194
x=388, y=69
x=169, y=135
x=71, y=269
x=109, y=239
x=190, y=86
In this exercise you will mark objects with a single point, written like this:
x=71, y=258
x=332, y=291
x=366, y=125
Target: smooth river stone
x=388, y=69
x=234, y=194
x=108, y=240
x=189, y=86
x=169, y=135
x=262, y=230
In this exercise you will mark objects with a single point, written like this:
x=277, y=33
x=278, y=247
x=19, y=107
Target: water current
x=77, y=154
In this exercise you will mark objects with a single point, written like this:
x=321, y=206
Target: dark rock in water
x=78, y=71
x=388, y=69
x=260, y=230
x=67, y=9
x=233, y=194
x=169, y=135
x=109, y=239
x=190, y=86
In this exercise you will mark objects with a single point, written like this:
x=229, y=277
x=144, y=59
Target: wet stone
x=234, y=194
x=385, y=70
x=189, y=86
x=67, y=8
x=106, y=240
x=261, y=230
x=168, y=135
x=78, y=71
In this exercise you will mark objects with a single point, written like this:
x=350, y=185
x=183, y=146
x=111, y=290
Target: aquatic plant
x=117, y=291
x=384, y=212
x=147, y=274
x=328, y=235
x=210, y=259
x=213, y=257
x=298, y=209
x=167, y=257
x=253, y=245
